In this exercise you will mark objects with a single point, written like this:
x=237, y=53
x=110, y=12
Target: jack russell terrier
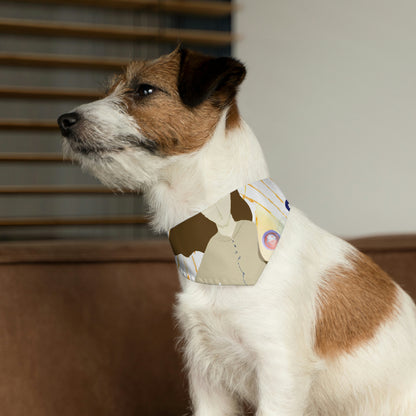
x=275, y=312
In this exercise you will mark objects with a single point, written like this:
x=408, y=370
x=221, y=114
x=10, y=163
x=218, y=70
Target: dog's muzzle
x=67, y=123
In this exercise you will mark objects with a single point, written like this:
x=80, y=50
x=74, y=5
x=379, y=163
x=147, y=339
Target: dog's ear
x=202, y=77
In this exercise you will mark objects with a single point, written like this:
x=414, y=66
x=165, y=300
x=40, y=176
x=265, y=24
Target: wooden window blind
x=56, y=55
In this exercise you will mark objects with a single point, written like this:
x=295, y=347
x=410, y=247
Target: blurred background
x=330, y=93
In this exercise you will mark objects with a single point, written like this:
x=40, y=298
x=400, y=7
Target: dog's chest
x=215, y=342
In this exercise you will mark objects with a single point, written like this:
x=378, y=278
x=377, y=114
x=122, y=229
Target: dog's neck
x=191, y=183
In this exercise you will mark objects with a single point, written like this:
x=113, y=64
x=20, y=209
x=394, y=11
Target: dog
x=323, y=331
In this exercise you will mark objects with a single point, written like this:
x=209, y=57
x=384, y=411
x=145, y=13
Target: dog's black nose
x=67, y=121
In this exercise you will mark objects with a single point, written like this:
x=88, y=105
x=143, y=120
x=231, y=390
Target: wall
x=331, y=95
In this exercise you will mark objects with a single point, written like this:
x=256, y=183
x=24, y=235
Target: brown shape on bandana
x=191, y=235
x=195, y=233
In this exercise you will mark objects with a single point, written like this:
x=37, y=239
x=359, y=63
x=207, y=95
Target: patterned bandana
x=231, y=242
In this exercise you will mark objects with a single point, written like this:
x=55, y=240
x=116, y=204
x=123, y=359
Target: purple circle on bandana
x=270, y=239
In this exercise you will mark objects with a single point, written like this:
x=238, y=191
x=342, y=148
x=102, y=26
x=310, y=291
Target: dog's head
x=154, y=111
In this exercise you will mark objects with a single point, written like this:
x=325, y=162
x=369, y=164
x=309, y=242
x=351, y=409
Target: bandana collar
x=231, y=242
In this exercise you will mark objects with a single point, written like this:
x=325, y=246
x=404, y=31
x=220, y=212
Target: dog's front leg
x=210, y=400
x=283, y=385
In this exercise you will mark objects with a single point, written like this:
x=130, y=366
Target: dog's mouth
x=80, y=146
x=82, y=137
x=71, y=126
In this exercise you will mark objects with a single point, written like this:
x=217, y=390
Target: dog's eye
x=143, y=90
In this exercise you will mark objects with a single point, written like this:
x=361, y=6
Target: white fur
x=107, y=124
x=257, y=343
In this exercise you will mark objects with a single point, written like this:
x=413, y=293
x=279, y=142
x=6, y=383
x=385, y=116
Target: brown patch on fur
x=233, y=116
x=353, y=303
x=162, y=117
